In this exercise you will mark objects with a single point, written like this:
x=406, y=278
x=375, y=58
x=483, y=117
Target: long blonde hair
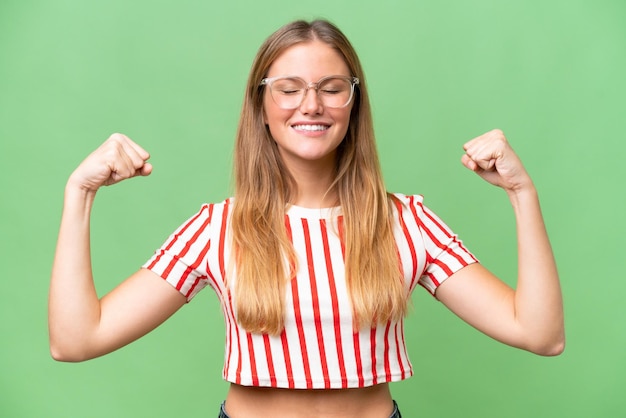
x=264, y=256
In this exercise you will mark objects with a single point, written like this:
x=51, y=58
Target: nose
x=311, y=103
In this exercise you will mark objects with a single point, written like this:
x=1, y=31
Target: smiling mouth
x=310, y=128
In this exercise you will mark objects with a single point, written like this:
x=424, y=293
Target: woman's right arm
x=81, y=325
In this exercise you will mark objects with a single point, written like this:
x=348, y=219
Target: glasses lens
x=288, y=92
x=333, y=92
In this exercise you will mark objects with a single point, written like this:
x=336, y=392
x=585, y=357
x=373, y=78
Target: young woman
x=313, y=261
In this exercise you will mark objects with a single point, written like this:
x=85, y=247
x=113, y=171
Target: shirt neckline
x=313, y=213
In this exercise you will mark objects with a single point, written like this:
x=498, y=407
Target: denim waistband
x=395, y=414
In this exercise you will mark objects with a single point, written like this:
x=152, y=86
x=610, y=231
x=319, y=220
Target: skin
x=309, y=155
x=83, y=326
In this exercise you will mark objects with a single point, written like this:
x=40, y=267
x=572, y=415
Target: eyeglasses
x=289, y=92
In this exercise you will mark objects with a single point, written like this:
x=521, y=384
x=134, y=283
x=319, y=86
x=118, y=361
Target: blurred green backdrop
x=171, y=74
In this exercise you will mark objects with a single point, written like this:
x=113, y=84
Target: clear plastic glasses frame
x=288, y=92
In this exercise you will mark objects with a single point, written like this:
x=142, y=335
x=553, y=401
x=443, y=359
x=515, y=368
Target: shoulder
x=407, y=203
x=411, y=208
x=208, y=213
x=225, y=206
x=407, y=199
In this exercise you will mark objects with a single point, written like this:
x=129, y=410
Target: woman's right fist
x=117, y=159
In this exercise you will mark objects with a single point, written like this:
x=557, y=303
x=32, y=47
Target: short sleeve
x=442, y=251
x=180, y=259
x=445, y=252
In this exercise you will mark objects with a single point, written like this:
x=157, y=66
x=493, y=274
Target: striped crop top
x=318, y=348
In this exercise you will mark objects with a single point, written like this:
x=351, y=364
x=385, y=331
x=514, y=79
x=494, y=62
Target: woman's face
x=309, y=134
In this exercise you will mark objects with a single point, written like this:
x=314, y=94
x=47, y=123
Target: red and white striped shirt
x=318, y=348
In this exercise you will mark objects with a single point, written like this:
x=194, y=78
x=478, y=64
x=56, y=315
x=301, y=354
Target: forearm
x=74, y=308
x=538, y=300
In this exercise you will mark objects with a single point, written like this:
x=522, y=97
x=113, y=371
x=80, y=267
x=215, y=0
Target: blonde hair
x=264, y=256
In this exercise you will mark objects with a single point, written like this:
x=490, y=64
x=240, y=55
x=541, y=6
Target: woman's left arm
x=531, y=316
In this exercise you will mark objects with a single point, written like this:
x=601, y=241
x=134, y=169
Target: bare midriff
x=257, y=402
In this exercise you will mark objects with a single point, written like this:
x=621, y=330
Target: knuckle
x=123, y=173
x=499, y=135
x=117, y=138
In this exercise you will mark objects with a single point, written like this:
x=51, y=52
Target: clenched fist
x=491, y=157
x=117, y=159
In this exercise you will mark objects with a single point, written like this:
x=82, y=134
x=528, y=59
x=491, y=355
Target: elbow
x=64, y=355
x=59, y=355
x=558, y=347
x=549, y=348
x=67, y=352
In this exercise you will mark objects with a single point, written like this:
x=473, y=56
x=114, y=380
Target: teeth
x=310, y=127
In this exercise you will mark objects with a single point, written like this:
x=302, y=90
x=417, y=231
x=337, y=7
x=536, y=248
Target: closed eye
x=290, y=92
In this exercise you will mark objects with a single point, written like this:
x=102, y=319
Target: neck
x=313, y=182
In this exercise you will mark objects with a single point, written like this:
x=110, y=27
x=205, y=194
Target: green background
x=171, y=74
